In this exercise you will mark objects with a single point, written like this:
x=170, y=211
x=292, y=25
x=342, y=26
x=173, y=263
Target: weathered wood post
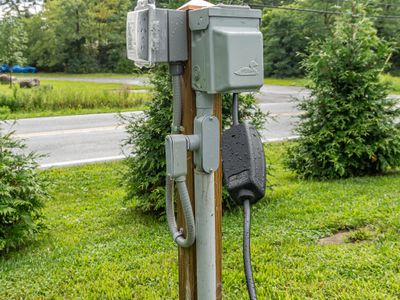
x=187, y=257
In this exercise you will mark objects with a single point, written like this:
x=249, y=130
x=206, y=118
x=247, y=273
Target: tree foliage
x=348, y=127
x=145, y=176
x=89, y=35
x=80, y=36
x=22, y=192
x=389, y=28
x=13, y=41
x=288, y=33
x=284, y=39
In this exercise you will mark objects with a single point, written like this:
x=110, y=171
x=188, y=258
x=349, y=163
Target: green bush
x=22, y=192
x=145, y=176
x=348, y=127
x=4, y=110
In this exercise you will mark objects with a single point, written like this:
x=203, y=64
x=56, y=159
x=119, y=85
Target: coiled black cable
x=251, y=288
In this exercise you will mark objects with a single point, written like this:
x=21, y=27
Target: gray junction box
x=156, y=35
x=227, y=49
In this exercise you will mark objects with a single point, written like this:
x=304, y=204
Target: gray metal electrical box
x=175, y=153
x=156, y=35
x=227, y=49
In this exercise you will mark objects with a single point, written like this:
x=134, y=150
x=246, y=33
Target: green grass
x=68, y=112
x=286, y=81
x=301, y=82
x=68, y=75
x=394, y=81
x=56, y=97
x=95, y=248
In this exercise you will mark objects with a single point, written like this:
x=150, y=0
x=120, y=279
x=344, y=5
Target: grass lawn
x=95, y=248
x=69, y=75
x=394, y=81
x=285, y=81
x=56, y=97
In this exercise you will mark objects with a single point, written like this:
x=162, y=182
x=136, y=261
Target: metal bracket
x=207, y=156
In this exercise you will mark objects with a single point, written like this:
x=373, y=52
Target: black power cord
x=251, y=288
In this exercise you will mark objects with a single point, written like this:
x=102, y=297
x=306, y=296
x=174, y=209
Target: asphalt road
x=73, y=140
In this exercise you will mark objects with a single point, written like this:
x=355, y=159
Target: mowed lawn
x=96, y=247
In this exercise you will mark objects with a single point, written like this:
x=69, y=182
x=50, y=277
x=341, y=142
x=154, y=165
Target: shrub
x=145, y=176
x=22, y=192
x=4, y=110
x=348, y=128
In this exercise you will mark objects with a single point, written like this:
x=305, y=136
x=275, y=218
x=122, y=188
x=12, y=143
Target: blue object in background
x=4, y=68
x=19, y=69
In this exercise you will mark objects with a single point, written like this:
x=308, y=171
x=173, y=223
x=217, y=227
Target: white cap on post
x=195, y=4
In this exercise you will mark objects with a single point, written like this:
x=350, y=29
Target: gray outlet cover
x=227, y=49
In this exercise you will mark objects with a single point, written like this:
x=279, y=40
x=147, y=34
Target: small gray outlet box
x=227, y=49
x=176, y=153
x=156, y=35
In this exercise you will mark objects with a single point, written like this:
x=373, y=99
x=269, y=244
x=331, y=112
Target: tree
x=80, y=36
x=13, y=41
x=348, y=127
x=287, y=35
x=388, y=28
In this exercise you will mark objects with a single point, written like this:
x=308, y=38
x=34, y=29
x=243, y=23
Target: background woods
x=89, y=36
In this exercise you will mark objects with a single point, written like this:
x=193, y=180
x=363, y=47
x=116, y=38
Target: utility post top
x=195, y=4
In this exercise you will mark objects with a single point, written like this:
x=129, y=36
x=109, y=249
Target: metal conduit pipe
x=176, y=71
x=176, y=104
x=177, y=234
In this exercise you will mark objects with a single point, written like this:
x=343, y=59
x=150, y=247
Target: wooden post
x=187, y=257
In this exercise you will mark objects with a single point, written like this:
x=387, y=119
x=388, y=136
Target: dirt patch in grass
x=354, y=236
x=336, y=239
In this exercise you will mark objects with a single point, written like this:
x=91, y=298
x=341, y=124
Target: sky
x=33, y=8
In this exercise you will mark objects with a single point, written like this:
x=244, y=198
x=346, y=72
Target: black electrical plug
x=243, y=162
